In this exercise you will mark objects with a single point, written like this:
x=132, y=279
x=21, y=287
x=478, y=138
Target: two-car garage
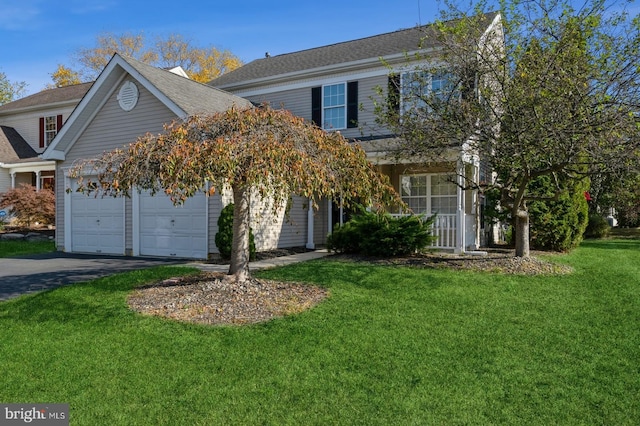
x=158, y=228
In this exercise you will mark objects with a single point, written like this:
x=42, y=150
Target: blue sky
x=37, y=35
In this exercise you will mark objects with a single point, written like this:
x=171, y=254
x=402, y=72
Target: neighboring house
x=127, y=100
x=334, y=86
x=27, y=127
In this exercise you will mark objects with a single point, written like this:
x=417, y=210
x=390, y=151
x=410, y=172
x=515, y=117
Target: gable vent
x=128, y=96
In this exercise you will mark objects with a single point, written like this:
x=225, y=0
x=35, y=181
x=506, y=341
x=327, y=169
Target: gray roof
x=374, y=47
x=192, y=97
x=13, y=147
x=71, y=94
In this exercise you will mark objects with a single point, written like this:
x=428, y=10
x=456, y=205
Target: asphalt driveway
x=32, y=273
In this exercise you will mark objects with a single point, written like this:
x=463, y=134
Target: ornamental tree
x=547, y=91
x=253, y=152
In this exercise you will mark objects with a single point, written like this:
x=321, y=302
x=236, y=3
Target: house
x=334, y=86
x=127, y=100
x=331, y=85
x=27, y=127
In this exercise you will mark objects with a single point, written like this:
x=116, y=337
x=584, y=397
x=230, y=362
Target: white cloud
x=83, y=7
x=19, y=17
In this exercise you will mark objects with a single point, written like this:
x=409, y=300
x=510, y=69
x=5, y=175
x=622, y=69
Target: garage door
x=174, y=231
x=97, y=224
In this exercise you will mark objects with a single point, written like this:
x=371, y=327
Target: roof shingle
x=49, y=96
x=13, y=147
x=374, y=47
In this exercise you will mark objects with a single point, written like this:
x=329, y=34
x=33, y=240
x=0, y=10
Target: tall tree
x=10, y=90
x=64, y=76
x=202, y=64
x=548, y=91
x=253, y=152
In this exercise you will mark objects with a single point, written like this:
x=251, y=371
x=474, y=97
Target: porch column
x=310, y=244
x=37, y=180
x=13, y=180
x=460, y=219
x=330, y=215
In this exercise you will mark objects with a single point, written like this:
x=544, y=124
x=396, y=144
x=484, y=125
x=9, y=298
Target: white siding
x=112, y=128
x=28, y=123
x=277, y=231
x=298, y=101
x=5, y=180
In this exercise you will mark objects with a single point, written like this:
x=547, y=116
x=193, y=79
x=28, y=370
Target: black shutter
x=393, y=94
x=41, y=132
x=316, y=105
x=352, y=104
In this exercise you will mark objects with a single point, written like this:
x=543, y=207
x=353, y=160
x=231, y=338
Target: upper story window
x=420, y=89
x=335, y=106
x=49, y=128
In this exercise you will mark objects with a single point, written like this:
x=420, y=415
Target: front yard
x=391, y=345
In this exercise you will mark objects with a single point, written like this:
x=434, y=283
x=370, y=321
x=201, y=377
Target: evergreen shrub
x=224, y=237
x=382, y=235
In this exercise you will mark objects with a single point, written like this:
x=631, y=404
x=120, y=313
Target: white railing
x=444, y=227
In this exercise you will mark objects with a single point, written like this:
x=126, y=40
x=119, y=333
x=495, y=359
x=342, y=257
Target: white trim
x=67, y=214
x=135, y=220
x=310, y=244
x=460, y=232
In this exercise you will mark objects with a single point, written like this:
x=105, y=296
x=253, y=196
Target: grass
x=10, y=248
x=392, y=345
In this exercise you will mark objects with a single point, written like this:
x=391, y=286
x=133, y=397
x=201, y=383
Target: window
x=420, y=89
x=335, y=106
x=49, y=128
x=429, y=194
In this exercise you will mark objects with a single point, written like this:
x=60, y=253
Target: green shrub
x=598, y=227
x=381, y=235
x=557, y=223
x=224, y=237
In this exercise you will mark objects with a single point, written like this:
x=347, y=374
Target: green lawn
x=391, y=345
x=9, y=248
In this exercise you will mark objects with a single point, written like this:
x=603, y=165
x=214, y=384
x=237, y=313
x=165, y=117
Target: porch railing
x=444, y=227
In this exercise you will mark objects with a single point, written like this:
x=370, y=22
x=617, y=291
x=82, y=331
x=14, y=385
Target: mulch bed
x=213, y=299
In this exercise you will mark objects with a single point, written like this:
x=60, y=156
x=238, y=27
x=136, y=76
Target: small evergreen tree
x=224, y=237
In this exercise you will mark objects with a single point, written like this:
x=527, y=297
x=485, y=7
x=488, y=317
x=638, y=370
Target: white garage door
x=176, y=231
x=97, y=224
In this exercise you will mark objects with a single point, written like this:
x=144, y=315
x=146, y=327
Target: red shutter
x=59, y=122
x=41, y=132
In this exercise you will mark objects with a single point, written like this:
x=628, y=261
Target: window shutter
x=41, y=132
x=352, y=104
x=316, y=105
x=393, y=94
x=58, y=122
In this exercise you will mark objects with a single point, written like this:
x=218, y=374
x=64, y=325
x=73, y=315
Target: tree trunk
x=522, y=233
x=239, y=266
